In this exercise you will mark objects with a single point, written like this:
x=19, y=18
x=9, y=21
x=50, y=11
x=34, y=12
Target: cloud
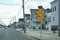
x=32, y=4
x=18, y=2
x=46, y=4
x=7, y=11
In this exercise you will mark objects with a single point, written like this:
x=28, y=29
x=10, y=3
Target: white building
x=48, y=19
x=55, y=13
x=21, y=22
x=34, y=21
x=34, y=18
x=27, y=21
x=55, y=6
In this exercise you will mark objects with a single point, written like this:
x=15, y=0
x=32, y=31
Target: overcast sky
x=10, y=11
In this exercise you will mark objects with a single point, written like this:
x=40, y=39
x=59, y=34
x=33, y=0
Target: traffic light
x=40, y=14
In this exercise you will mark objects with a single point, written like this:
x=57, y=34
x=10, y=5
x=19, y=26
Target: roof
x=48, y=10
x=40, y=7
x=36, y=10
x=21, y=19
x=53, y=1
x=33, y=9
x=27, y=14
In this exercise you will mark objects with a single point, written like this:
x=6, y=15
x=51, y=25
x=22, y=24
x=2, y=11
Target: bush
x=33, y=27
x=53, y=29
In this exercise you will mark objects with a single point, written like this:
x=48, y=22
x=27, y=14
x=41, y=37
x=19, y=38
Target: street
x=45, y=35
x=10, y=34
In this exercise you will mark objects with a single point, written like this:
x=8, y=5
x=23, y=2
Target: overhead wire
x=21, y=8
x=14, y=4
x=8, y=4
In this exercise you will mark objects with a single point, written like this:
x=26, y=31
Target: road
x=10, y=34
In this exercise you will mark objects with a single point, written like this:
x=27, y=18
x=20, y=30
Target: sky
x=8, y=12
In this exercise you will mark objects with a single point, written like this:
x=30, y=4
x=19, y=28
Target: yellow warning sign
x=40, y=13
x=40, y=19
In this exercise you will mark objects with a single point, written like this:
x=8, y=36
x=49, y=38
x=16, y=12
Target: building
x=18, y=24
x=55, y=14
x=34, y=18
x=27, y=21
x=48, y=19
x=13, y=25
x=55, y=7
x=21, y=22
x=34, y=22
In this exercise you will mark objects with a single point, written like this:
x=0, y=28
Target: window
x=49, y=19
x=53, y=18
x=51, y=9
x=55, y=8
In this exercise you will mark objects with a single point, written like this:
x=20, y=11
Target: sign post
x=40, y=19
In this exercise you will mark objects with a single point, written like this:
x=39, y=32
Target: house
x=27, y=21
x=55, y=7
x=13, y=25
x=21, y=22
x=34, y=18
x=55, y=14
x=48, y=19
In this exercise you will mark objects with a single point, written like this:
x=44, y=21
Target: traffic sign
x=40, y=19
x=40, y=12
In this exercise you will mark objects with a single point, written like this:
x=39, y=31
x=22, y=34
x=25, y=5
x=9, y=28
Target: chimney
x=40, y=7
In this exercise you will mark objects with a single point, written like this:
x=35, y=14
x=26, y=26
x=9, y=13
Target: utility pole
x=23, y=16
x=15, y=21
x=10, y=23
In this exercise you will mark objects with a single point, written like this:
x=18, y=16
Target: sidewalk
x=45, y=35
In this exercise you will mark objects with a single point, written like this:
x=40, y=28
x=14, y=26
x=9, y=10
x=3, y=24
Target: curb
x=30, y=36
x=35, y=38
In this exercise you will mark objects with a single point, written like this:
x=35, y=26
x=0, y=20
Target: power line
x=8, y=4
x=20, y=9
x=22, y=6
x=26, y=1
x=5, y=18
x=12, y=4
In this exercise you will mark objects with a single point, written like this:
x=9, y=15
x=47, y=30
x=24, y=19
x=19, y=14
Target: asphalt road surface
x=10, y=34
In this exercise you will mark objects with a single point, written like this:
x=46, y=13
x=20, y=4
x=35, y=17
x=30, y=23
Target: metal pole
x=13, y=24
x=15, y=21
x=10, y=22
x=41, y=30
x=23, y=16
